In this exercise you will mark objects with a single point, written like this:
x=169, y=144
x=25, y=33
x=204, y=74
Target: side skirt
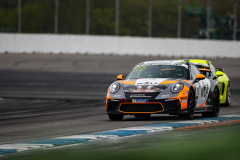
x=209, y=108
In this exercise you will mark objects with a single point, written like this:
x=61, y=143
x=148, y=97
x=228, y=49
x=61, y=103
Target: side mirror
x=120, y=77
x=200, y=77
x=220, y=69
x=218, y=74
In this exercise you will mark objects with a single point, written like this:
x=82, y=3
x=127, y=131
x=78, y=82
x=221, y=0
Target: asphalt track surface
x=44, y=96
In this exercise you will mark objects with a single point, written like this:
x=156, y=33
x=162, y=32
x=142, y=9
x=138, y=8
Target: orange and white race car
x=163, y=87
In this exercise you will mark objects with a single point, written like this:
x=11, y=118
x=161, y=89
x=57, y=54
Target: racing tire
x=116, y=117
x=216, y=105
x=142, y=115
x=190, y=106
x=228, y=96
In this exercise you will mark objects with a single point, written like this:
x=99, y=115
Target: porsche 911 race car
x=208, y=69
x=163, y=87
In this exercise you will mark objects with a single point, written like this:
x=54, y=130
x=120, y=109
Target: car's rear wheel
x=228, y=96
x=116, y=117
x=216, y=105
x=142, y=115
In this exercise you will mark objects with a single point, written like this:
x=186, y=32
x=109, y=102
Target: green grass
x=214, y=144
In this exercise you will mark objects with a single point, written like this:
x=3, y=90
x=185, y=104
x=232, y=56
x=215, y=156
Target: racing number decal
x=206, y=89
x=197, y=90
x=202, y=91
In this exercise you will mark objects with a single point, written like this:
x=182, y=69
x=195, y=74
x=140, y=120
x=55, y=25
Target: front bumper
x=161, y=106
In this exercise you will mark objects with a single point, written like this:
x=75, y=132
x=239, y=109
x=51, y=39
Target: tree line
x=38, y=17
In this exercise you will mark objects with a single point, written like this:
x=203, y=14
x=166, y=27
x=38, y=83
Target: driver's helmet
x=152, y=73
x=180, y=72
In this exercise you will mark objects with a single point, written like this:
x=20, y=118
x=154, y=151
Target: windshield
x=204, y=69
x=159, y=71
x=206, y=73
x=204, y=66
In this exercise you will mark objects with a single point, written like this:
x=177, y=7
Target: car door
x=202, y=88
x=220, y=81
x=197, y=84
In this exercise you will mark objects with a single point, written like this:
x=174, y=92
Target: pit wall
x=82, y=44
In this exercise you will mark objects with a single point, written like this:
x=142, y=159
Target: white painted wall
x=50, y=43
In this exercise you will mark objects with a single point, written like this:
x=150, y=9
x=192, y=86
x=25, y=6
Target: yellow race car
x=207, y=68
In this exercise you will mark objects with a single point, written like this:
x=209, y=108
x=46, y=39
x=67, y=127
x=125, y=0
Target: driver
x=152, y=73
x=180, y=73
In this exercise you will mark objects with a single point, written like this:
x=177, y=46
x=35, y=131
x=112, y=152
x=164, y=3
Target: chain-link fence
x=206, y=19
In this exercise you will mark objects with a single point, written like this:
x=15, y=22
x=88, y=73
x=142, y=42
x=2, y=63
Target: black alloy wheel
x=216, y=105
x=116, y=117
x=142, y=115
x=228, y=96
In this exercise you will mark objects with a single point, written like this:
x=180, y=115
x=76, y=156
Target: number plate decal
x=139, y=100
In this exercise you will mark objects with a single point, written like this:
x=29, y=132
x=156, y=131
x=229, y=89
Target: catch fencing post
x=150, y=19
x=19, y=15
x=179, y=18
x=117, y=18
x=235, y=19
x=87, y=16
x=56, y=17
x=208, y=18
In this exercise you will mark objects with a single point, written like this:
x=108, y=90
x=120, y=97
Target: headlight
x=177, y=87
x=114, y=87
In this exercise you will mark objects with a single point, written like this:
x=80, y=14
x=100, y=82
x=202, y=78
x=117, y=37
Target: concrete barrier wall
x=72, y=44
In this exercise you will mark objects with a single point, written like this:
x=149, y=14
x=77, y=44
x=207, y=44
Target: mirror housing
x=218, y=74
x=200, y=77
x=120, y=77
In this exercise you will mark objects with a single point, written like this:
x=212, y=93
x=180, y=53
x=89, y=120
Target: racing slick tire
x=228, y=96
x=190, y=106
x=142, y=115
x=216, y=105
x=116, y=117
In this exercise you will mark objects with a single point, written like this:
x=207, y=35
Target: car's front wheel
x=190, y=106
x=116, y=117
x=228, y=96
x=191, y=103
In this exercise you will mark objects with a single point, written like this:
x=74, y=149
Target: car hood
x=147, y=84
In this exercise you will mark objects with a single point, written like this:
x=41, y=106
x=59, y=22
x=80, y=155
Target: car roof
x=163, y=62
x=198, y=61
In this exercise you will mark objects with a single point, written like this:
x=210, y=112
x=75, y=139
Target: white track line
x=148, y=129
x=89, y=137
x=232, y=115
